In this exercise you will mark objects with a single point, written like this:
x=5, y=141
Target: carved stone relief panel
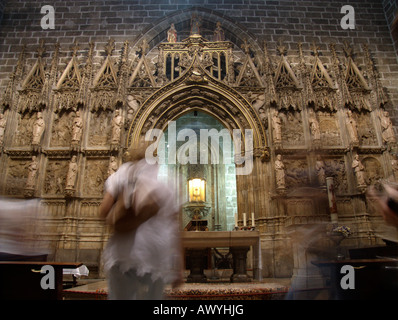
x=292, y=128
x=55, y=178
x=16, y=176
x=300, y=207
x=95, y=174
x=329, y=129
x=100, y=128
x=90, y=209
x=297, y=174
x=336, y=168
x=373, y=169
x=53, y=208
x=366, y=130
x=24, y=132
x=61, y=133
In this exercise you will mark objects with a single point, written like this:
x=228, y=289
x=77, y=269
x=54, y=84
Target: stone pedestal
x=239, y=257
x=196, y=259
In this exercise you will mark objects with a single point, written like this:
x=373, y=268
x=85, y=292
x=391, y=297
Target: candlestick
x=236, y=219
x=244, y=219
x=253, y=224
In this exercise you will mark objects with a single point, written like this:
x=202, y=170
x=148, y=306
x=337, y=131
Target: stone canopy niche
x=68, y=115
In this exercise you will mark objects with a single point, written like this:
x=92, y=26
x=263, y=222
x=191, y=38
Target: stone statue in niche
x=280, y=173
x=314, y=126
x=72, y=174
x=38, y=129
x=113, y=166
x=218, y=33
x=3, y=122
x=195, y=25
x=276, y=127
x=33, y=167
x=387, y=127
x=77, y=129
x=263, y=117
x=133, y=106
x=320, y=171
x=117, y=123
x=352, y=128
x=172, y=34
x=359, y=171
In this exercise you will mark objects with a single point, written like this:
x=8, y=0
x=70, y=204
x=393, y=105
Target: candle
x=236, y=219
x=244, y=219
x=253, y=224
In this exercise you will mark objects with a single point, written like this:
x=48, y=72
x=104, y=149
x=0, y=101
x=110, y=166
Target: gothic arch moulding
x=196, y=89
x=234, y=32
x=199, y=84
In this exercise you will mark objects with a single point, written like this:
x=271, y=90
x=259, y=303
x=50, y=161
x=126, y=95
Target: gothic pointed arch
x=197, y=89
x=234, y=32
x=68, y=86
x=105, y=83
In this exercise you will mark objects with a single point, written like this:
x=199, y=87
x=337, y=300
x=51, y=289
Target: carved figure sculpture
x=38, y=129
x=280, y=173
x=387, y=128
x=352, y=128
x=218, y=33
x=72, y=174
x=314, y=125
x=117, y=124
x=276, y=127
x=133, y=106
x=195, y=25
x=77, y=128
x=3, y=121
x=33, y=167
x=359, y=170
x=172, y=34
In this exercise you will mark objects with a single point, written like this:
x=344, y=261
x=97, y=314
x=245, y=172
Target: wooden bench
x=20, y=280
x=373, y=278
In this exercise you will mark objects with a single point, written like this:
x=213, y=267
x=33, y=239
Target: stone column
x=239, y=257
x=196, y=257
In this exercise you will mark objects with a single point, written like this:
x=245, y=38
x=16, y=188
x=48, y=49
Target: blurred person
x=18, y=234
x=144, y=252
x=385, y=196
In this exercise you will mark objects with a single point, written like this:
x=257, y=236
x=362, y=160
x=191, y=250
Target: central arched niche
x=217, y=169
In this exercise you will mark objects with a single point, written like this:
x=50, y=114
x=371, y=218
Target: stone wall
x=294, y=21
x=391, y=11
x=76, y=229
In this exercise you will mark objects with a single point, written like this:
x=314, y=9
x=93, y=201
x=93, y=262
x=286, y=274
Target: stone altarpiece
x=71, y=114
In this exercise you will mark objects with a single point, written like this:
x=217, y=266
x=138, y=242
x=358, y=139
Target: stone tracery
x=298, y=110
